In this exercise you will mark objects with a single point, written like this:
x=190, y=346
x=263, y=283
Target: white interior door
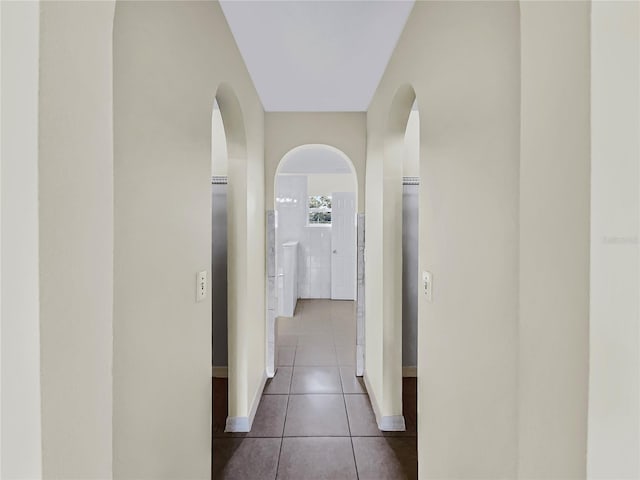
x=343, y=246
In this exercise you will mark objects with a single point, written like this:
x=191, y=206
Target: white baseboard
x=409, y=371
x=372, y=398
x=243, y=424
x=237, y=424
x=220, y=372
x=271, y=372
x=359, y=360
x=392, y=423
x=388, y=423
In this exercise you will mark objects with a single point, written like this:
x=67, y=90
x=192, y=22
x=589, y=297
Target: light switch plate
x=201, y=286
x=427, y=285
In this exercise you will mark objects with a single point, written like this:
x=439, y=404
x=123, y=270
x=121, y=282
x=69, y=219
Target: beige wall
x=462, y=59
x=169, y=59
x=504, y=101
x=20, y=434
x=554, y=240
x=285, y=131
x=76, y=237
x=218, y=145
x=326, y=183
x=411, y=161
x=614, y=360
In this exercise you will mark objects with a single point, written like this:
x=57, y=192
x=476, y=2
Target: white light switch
x=427, y=285
x=201, y=286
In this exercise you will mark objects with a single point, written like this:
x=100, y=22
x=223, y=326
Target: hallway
x=315, y=420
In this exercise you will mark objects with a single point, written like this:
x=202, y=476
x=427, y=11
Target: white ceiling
x=316, y=55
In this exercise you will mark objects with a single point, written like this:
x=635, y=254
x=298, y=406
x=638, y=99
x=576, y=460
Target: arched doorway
x=384, y=300
x=315, y=240
x=228, y=168
x=402, y=148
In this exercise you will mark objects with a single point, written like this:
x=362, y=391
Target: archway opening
x=316, y=193
x=402, y=152
x=410, y=267
x=219, y=253
x=228, y=162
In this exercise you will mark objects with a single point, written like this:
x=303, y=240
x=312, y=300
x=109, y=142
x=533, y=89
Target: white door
x=343, y=246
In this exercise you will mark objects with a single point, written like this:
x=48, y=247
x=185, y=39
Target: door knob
x=335, y=251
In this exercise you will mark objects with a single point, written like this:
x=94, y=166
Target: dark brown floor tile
x=220, y=384
x=316, y=415
x=269, y=420
x=316, y=380
x=409, y=387
x=286, y=356
x=362, y=421
x=410, y=415
x=386, y=458
x=351, y=383
x=245, y=458
x=280, y=383
x=316, y=459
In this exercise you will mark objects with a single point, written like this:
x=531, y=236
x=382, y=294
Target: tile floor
x=315, y=420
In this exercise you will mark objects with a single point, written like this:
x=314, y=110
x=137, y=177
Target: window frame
x=311, y=210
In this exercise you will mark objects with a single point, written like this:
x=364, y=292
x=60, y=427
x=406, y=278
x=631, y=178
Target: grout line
x=280, y=451
x=346, y=411
x=353, y=450
x=241, y=436
x=315, y=393
x=333, y=346
x=286, y=413
x=293, y=367
x=318, y=436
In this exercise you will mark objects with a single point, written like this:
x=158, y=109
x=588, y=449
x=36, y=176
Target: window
x=320, y=210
